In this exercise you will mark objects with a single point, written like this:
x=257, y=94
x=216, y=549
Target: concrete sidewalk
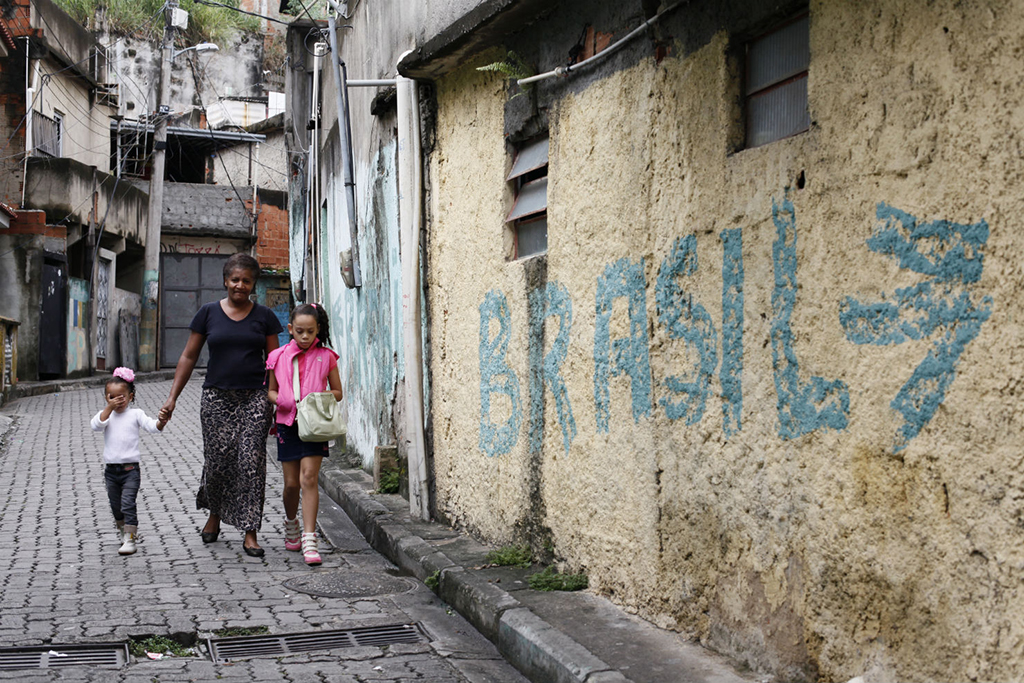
x=549, y=636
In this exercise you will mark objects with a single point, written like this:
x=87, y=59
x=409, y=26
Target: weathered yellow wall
x=836, y=543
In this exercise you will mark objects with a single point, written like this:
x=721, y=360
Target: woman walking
x=234, y=411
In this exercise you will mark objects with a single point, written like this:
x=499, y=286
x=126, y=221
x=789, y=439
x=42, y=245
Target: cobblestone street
x=63, y=582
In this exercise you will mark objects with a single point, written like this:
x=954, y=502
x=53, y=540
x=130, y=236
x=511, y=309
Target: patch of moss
x=550, y=580
x=433, y=581
x=235, y=631
x=511, y=556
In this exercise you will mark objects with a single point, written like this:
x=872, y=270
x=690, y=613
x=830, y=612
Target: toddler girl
x=120, y=426
x=300, y=461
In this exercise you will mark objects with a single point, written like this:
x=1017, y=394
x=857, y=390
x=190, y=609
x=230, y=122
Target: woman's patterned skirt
x=235, y=425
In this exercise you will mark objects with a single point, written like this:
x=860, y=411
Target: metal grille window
x=47, y=134
x=529, y=212
x=776, y=83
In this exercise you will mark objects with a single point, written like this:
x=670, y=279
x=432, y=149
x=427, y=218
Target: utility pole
x=151, y=279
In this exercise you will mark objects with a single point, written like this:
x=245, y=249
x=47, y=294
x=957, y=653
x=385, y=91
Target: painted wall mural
x=945, y=307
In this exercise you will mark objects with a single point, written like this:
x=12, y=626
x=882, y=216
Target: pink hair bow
x=127, y=374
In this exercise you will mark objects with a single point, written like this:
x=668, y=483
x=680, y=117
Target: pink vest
x=315, y=365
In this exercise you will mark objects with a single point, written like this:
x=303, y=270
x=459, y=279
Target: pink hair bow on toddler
x=127, y=374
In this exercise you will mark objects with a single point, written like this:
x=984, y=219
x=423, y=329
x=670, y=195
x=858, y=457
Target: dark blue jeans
x=122, y=489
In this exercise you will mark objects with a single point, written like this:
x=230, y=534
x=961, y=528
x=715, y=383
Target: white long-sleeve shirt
x=121, y=434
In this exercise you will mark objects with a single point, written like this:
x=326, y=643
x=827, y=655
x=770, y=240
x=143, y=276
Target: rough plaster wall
x=466, y=261
x=268, y=166
x=813, y=538
x=86, y=128
x=234, y=71
x=366, y=322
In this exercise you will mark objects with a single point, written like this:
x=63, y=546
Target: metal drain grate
x=52, y=656
x=227, y=649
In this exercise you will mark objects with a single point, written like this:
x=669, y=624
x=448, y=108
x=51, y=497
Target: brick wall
x=12, y=112
x=34, y=223
x=272, y=231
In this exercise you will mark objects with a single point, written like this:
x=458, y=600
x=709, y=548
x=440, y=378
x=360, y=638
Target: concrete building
x=69, y=255
x=78, y=126
x=722, y=310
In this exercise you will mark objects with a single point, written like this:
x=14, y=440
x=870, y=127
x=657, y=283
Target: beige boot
x=120, y=530
x=128, y=547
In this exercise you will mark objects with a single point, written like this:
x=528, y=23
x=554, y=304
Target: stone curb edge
x=29, y=389
x=540, y=651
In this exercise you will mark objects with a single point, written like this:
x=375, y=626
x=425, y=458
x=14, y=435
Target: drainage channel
x=112, y=655
x=228, y=649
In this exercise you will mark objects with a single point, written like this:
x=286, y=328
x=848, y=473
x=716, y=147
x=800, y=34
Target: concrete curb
x=540, y=651
x=27, y=389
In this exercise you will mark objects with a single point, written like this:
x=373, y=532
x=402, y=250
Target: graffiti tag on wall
x=78, y=325
x=944, y=307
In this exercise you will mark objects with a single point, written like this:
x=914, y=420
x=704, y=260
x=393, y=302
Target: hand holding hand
x=167, y=410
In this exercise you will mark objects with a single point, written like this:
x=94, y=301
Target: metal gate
x=52, y=322
x=102, y=312
x=190, y=280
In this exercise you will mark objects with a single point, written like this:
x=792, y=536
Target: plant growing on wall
x=512, y=66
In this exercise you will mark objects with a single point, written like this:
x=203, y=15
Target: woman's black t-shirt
x=237, y=348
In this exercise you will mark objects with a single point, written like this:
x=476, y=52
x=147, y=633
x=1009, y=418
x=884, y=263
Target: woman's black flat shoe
x=210, y=536
x=253, y=552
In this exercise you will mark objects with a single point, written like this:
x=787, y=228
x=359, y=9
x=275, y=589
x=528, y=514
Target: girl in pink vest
x=300, y=461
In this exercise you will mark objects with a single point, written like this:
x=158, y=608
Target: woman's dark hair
x=319, y=313
x=242, y=261
x=121, y=380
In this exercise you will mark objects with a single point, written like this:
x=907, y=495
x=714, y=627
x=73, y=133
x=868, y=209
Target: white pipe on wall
x=410, y=213
x=566, y=70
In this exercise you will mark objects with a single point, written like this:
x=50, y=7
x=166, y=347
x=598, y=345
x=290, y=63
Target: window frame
x=748, y=97
x=525, y=173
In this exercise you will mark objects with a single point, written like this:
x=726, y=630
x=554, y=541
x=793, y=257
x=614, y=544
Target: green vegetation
x=389, y=480
x=307, y=9
x=511, y=556
x=159, y=645
x=235, y=631
x=513, y=67
x=433, y=581
x=551, y=580
x=144, y=19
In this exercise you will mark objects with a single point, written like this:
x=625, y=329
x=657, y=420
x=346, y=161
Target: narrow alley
x=62, y=581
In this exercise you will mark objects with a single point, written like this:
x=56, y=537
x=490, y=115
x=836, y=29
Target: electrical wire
x=202, y=106
x=242, y=11
x=113, y=197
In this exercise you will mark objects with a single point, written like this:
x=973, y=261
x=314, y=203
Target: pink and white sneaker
x=309, y=549
x=292, y=538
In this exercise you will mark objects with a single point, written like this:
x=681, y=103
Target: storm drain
x=51, y=656
x=227, y=649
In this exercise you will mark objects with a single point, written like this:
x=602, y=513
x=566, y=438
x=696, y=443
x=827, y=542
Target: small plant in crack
x=510, y=556
x=551, y=580
x=390, y=480
x=159, y=645
x=433, y=581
